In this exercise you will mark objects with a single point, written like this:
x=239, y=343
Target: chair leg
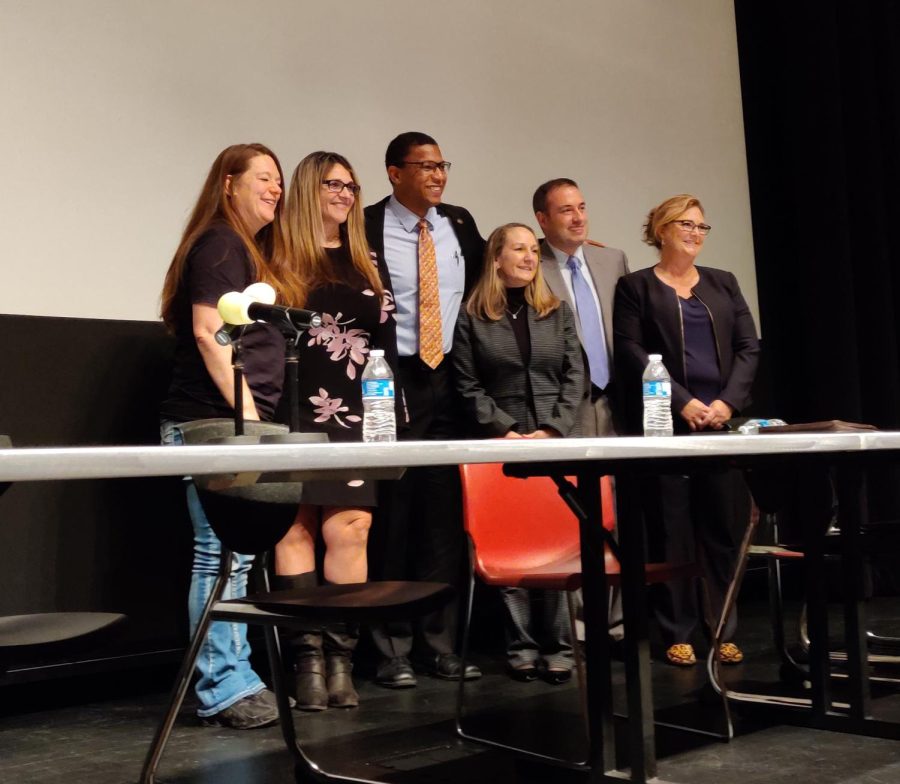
x=791, y=669
x=464, y=649
x=305, y=770
x=776, y=597
x=776, y=608
x=164, y=730
x=713, y=662
x=580, y=671
x=713, y=659
x=714, y=669
x=460, y=693
x=279, y=686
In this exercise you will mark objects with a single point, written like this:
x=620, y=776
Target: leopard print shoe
x=681, y=654
x=729, y=653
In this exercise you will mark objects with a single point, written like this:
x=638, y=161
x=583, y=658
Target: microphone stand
x=291, y=376
x=292, y=335
x=237, y=364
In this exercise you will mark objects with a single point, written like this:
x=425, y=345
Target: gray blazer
x=499, y=393
x=606, y=266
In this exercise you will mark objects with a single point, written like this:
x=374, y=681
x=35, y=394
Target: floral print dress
x=332, y=357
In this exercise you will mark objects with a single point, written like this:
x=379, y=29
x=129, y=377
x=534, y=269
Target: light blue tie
x=592, y=336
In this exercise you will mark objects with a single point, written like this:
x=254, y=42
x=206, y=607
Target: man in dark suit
x=584, y=274
x=433, y=253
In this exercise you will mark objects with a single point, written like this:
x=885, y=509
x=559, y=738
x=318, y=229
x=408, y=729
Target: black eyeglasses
x=429, y=167
x=336, y=186
x=689, y=226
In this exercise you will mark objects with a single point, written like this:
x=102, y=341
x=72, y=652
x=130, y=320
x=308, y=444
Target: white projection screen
x=111, y=112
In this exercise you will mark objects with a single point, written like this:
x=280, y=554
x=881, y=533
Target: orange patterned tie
x=431, y=341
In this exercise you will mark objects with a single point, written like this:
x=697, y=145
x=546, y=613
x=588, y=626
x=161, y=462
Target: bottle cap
x=376, y=352
x=655, y=357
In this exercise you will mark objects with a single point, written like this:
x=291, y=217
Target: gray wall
x=112, y=111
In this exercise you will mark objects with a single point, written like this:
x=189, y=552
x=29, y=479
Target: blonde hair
x=305, y=231
x=488, y=299
x=665, y=213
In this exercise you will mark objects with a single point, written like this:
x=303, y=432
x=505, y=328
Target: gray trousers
x=537, y=628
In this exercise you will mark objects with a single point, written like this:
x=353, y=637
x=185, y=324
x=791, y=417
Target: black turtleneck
x=517, y=315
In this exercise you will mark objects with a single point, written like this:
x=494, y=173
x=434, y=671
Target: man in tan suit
x=583, y=273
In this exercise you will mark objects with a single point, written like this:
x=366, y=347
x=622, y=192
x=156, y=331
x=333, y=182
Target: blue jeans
x=224, y=660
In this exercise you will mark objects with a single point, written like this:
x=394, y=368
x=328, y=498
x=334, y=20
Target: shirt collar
x=408, y=219
x=562, y=258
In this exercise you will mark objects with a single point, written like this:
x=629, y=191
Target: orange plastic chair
x=523, y=534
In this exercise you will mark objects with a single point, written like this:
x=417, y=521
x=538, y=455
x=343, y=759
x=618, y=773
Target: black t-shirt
x=218, y=263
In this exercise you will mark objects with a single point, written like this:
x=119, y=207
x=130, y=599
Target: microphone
x=284, y=317
x=238, y=308
x=258, y=292
x=224, y=333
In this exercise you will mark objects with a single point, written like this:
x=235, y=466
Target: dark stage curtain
x=821, y=95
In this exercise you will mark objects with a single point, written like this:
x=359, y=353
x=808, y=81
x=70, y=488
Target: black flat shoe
x=396, y=673
x=448, y=666
x=524, y=674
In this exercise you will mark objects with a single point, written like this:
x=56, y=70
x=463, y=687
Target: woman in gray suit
x=520, y=374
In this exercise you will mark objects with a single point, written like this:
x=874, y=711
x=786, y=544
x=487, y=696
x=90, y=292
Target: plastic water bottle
x=657, y=398
x=751, y=426
x=379, y=423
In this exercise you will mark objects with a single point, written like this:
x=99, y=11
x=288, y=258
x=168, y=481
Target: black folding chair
x=48, y=633
x=251, y=519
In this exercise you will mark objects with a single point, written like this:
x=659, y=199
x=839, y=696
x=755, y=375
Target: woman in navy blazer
x=520, y=374
x=697, y=318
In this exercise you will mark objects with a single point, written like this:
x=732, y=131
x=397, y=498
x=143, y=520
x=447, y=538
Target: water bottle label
x=378, y=387
x=657, y=389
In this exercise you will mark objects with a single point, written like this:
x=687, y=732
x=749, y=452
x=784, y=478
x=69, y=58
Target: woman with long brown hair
x=231, y=240
x=341, y=280
x=520, y=373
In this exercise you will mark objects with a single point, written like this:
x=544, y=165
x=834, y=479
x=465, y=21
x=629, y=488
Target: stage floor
x=98, y=729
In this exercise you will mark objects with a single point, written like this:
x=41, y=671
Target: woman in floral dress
x=343, y=281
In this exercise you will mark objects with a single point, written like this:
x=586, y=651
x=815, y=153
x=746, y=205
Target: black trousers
x=417, y=529
x=699, y=517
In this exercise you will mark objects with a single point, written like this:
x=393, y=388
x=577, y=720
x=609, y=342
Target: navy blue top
x=701, y=361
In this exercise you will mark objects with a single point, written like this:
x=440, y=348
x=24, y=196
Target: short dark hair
x=398, y=149
x=539, y=200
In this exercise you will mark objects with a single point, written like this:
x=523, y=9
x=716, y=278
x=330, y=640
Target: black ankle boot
x=305, y=651
x=311, y=690
x=339, y=642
